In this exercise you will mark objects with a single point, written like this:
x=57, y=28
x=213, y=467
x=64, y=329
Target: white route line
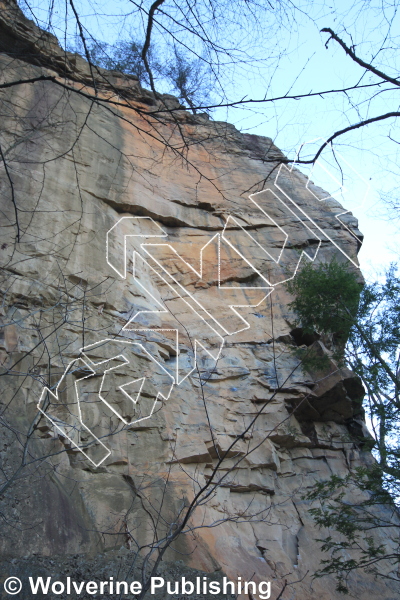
x=303, y=253
x=200, y=275
x=303, y=212
x=58, y=425
x=197, y=342
x=114, y=234
x=341, y=187
x=87, y=349
x=142, y=379
x=121, y=387
x=139, y=235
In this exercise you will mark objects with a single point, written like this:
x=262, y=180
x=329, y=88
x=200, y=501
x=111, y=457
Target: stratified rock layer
x=77, y=167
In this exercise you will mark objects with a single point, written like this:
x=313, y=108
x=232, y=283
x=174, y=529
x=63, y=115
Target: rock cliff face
x=128, y=239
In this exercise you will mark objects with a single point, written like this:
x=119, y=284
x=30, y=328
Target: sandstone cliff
x=126, y=222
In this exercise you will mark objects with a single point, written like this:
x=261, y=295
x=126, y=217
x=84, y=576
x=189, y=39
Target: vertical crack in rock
x=77, y=168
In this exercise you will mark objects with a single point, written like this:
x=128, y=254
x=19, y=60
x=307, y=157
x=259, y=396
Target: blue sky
x=291, y=123
x=303, y=64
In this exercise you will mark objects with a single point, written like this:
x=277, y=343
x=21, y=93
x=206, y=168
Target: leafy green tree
x=360, y=325
x=190, y=79
x=123, y=56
